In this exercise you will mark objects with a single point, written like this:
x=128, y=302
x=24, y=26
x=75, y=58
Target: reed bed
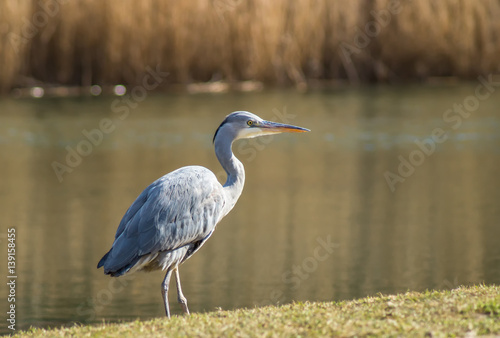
x=81, y=43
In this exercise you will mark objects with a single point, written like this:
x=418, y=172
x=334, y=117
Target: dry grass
x=74, y=42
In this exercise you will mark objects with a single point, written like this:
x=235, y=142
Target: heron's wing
x=180, y=208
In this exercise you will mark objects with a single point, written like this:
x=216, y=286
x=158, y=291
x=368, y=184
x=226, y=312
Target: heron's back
x=169, y=221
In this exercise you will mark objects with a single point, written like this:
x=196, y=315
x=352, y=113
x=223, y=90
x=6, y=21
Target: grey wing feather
x=180, y=208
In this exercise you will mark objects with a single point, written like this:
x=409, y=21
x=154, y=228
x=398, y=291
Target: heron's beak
x=275, y=127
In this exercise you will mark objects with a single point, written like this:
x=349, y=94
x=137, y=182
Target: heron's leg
x=180, y=296
x=164, y=291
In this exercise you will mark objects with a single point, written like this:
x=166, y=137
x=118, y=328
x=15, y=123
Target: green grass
x=463, y=311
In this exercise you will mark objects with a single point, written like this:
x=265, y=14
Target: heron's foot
x=180, y=296
x=165, y=303
x=184, y=304
x=164, y=292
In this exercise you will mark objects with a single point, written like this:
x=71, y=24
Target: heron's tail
x=116, y=272
x=103, y=260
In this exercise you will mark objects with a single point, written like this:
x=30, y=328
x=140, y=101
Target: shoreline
x=213, y=87
x=471, y=310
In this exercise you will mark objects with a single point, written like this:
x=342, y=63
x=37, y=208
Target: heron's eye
x=250, y=123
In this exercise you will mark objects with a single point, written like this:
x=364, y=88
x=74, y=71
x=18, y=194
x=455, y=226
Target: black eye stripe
x=217, y=131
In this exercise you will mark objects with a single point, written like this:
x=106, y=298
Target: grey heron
x=175, y=215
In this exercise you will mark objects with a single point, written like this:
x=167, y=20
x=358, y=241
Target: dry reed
x=71, y=42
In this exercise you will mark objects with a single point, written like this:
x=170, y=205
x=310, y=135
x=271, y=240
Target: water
x=352, y=208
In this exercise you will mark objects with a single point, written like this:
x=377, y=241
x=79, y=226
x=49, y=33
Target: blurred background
x=396, y=187
x=84, y=43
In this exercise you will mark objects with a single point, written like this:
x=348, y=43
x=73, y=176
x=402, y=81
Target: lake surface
x=394, y=189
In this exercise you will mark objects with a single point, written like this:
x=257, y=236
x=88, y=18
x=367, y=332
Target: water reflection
x=438, y=229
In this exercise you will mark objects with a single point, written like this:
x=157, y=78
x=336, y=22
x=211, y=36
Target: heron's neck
x=234, y=169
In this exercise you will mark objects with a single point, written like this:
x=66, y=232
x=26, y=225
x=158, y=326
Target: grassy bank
x=467, y=310
x=89, y=42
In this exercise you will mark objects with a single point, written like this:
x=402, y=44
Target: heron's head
x=243, y=124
